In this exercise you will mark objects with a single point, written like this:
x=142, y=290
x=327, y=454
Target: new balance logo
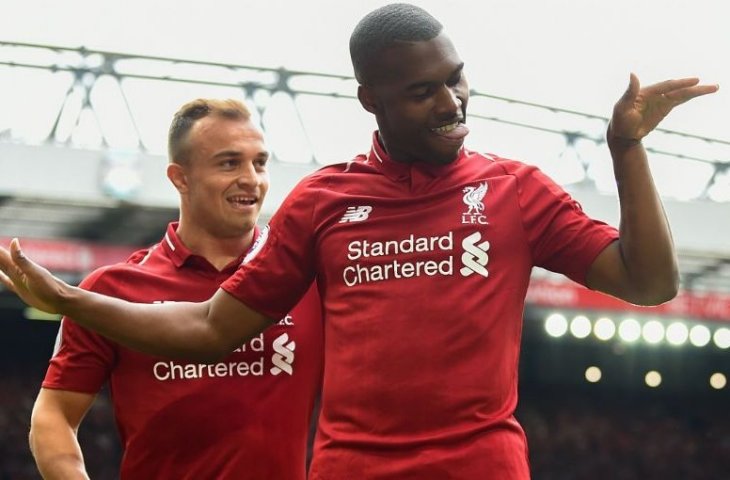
x=475, y=256
x=356, y=214
x=283, y=356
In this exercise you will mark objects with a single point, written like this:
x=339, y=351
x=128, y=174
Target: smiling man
x=422, y=250
x=181, y=419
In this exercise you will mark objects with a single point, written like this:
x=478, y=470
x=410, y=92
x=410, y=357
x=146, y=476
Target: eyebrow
x=428, y=83
x=226, y=153
x=235, y=153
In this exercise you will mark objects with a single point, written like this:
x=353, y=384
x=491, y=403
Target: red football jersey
x=244, y=417
x=423, y=271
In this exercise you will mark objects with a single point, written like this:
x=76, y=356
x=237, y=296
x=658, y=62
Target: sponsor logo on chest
x=249, y=360
x=413, y=256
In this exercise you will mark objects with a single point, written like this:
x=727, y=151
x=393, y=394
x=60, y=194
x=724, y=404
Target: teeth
x=446, y=128
x=246, y=200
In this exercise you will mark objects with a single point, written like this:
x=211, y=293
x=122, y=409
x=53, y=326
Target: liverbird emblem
x=473, y=197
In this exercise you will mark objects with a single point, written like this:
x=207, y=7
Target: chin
x=444, y=158
x=442, y=153
x=247, y=227
x=236, y=229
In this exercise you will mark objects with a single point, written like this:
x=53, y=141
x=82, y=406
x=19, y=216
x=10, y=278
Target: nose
x=448, y=103
x=248, y=176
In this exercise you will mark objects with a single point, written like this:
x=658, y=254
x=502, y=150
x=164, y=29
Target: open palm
x=35, y=285
x=640, y=109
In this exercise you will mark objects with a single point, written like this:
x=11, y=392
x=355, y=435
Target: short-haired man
x=242, y=417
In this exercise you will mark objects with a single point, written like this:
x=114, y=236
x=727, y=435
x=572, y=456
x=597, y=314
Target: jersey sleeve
x=82, y=360
x=280, y=266
x=562, y=237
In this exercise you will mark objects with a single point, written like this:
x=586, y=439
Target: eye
x=422, y=93
x=455, y=80
x=229, y=163
x=260, y=162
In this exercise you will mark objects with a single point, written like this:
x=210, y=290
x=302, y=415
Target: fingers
x=632, y=90
x=35, y=285
x=684, y=94
x=18, y=262
x=7, y=270
x=7, y=265
x=680, y=90
x=667, y=86
x=13, y=264
x=16, y=252
x=7, y=283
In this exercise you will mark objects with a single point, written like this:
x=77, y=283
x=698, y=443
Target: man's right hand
x=35, y=285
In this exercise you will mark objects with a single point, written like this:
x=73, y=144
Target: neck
x=393, y=155
x=218, y=251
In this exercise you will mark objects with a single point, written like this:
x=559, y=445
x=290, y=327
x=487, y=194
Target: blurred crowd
x=97, y=435
x=572, y=435
x=612, y=438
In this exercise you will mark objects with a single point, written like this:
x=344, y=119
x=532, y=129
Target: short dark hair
x=191, y=112
x=382, y=28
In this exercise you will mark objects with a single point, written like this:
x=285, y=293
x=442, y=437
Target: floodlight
x=604, y=328
x=580, y=327
x=677, y=333
x=629, y=330
x=653, y=378
x=653, y=332
x=699, y=335
x=593, y=374
x=722, y=337
x=556, y=325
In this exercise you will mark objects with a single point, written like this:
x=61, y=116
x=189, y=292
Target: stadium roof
x=88, y=163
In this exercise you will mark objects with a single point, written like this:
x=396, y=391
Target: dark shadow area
x=615, y=429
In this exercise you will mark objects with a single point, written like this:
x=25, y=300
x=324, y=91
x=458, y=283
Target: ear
x=367, y=99
x=176, y=174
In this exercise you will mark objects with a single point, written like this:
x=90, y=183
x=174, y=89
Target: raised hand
x=640, y=109
x=35, y=285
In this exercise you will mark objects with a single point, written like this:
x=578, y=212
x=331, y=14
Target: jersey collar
x=180, y=254
x=173, y=247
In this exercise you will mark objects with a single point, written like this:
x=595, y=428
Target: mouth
x=455, y=131
x=449, y=127
x=242, y=201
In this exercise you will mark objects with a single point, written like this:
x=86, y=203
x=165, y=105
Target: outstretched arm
x=203, y=331
x=641, y=267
